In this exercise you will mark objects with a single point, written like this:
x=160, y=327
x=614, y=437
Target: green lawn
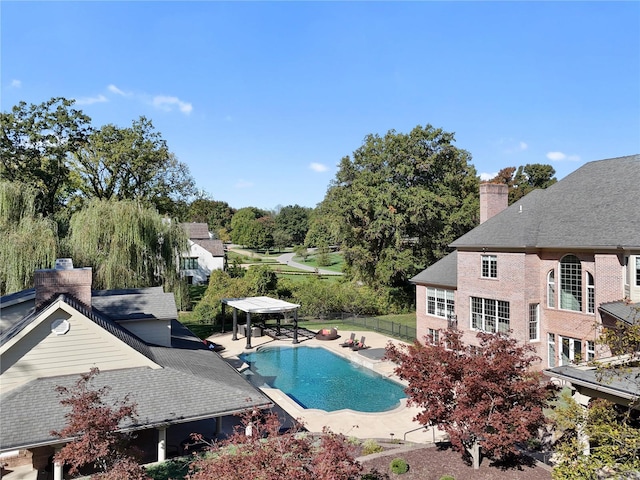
x=336, y=261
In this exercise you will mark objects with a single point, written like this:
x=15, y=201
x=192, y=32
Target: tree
x=36, y=143
x=324, y=229
x=525, y=179
x=488, y=399
x=215, y=213
x=27, y=240
x=92, y=426
x=399, y=202
x=294, y=220
x=613, y=436
x=128, y=245
x=260, y=233
x=258, y=451
x=132, y=164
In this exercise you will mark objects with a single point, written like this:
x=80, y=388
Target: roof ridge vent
x=64, y=264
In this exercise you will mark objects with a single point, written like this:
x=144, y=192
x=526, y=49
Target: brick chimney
x=494, y=197
x=63, y=279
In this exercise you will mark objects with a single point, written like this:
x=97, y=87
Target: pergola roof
x=260, y=304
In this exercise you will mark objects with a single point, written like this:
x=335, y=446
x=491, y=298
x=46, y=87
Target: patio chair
x=359, y=345
x=350, y=342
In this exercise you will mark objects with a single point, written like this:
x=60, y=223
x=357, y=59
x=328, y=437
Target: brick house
x=551, y=268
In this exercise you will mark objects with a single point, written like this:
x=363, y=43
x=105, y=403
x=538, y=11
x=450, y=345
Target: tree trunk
x=474, y=451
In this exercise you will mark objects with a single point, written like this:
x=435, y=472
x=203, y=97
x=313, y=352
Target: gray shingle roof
x=622, y=383
x=196, y=230
x=595, y=206
x=623, y=311
x=442, y=273
x=214, y=247
x=136, y=304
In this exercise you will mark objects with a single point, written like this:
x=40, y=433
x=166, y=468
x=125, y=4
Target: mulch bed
x=432, y=462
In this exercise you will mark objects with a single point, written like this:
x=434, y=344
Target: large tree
x=399, y=201
x=128, y=245
x=215, y=213
x=36, y=143
x=294, y=220
x=132, y=163
x=524, y=179
x=27, y=240
x=485, y=397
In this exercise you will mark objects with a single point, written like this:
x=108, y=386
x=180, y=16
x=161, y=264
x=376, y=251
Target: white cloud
x=487, y=176
x=243, y=184
x=113, y=89
x=318, y=167
x=167, y=103
x=523, y=146
x=560, y=156
x=510, y=145
x=16, y=83
x=91, y=100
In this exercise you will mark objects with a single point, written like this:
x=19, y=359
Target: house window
x=591, y=350
x=571, y=351
x=189, y=263
x=440, y=302
x=489, y=315
x=551, y=345
x=534, y=322
x=489, y=266
x=551, y=289
x=433, y=336
x=638, y=271
x=591, y=294
x=570, y=283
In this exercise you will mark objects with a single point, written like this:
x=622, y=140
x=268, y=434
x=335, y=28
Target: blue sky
x=262, y=99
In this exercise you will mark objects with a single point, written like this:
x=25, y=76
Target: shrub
x=398, y=465
x=371, y=446
x=447, y=477
x=375, y=475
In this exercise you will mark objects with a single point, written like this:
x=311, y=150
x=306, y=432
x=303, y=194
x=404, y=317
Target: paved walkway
x=398, y=422
x=284, y=259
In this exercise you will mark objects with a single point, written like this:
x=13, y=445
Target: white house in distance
x=205, y=254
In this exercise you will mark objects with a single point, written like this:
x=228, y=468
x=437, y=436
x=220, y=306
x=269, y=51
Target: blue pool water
x=317, y=378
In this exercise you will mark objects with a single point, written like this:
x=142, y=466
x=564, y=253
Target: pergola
x=251, y=305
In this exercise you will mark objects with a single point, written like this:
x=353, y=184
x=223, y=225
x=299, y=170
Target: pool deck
x=398, y=422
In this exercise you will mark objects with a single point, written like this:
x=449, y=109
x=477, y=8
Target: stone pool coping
x=398, y=421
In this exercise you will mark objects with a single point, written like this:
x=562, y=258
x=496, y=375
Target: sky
x=263, y=99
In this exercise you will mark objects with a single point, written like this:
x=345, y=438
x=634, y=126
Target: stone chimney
x=63, y=279
x=494, y=197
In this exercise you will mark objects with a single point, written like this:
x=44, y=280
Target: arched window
x=591, y=294
x=570, y=283
x=551, y=289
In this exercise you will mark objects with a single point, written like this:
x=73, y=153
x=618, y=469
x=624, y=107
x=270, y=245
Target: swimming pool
x=317, y=378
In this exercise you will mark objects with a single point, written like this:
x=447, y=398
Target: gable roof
x=594, y=207
x=135, y=304
x=442, y=273
x=214, y=247
x=196, y=230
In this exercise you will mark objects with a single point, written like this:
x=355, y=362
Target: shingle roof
x=136, y=304
x=214, y=247
x=623, y=311
x=196, y=230
x=622, y=383
x=442, y=273
x=596, y=206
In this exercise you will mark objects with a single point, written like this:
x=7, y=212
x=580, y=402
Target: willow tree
x=27, y=241
x=128, y=245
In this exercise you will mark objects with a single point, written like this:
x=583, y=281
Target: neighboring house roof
x=621, y=385
x=214, y=247
x=196, y=230
x=442, y=273
x=594, y=207
x=623, y=311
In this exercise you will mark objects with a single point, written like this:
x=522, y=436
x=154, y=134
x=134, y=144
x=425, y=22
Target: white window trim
x=535, y=309
x=492, y=261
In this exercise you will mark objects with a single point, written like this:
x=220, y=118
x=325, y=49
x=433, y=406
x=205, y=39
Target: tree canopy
x=293, y=220
x=524, y=179
x=485, y=397
x=399, y=201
